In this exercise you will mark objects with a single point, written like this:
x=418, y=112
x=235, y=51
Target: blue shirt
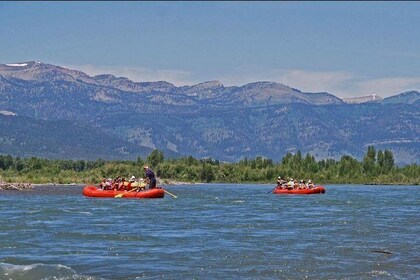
x=150, y=174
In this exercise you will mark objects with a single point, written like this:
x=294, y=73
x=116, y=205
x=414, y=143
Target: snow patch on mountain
x=7, y=113
x=363, y=99
x=17, y=64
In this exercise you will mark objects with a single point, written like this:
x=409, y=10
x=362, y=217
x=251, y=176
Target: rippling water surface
x=212, y=232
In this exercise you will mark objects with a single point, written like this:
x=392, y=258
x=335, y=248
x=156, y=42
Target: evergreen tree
x=380, y=161
x=369, y=161
x=207, y=174
x=140, y=161
x=155, y=158
x=388, y=161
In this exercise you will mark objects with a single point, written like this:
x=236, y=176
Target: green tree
x=369, y=161
x=140, y=161
x=380, y=161
x=287, y=159
x=6, y=162
x=207, y=173
x=155, y=158
x=388, y=161
x=18, y=164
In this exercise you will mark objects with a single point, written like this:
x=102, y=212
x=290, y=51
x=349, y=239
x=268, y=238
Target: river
x=212, y=231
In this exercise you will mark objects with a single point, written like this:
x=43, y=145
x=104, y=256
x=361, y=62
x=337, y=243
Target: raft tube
x=92, y=191
x=317, y=189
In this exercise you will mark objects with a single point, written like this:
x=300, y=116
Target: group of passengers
x=294, y=184
x=121, y=184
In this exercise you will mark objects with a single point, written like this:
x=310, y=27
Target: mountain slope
x=203, y=120
x=25, y=137
x=409, y=97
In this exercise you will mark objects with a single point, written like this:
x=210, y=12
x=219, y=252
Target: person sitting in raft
x=122, y=184
x=116, y=183
x=130, y=184
x=279, y=181
x=108, y=184
x=133, y=184
x=281, y=184
x=290, y=184
x=295, y=184
x=310, y=185
x=150, y=175
x=142, y=184
x=102, y=184
x=302, y=185
x=125, y=185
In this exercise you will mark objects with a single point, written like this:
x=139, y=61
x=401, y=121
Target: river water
x=212, y=231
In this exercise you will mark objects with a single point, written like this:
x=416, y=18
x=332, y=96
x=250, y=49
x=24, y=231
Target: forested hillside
x=55, y=112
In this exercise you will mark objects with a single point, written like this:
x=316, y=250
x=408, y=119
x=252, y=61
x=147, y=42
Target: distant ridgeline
x=53, y=112
x=377, y=167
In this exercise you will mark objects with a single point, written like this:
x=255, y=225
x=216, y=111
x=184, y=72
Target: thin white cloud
x=314, y=81
x=137, y=74
x=340, y=83
x=390, y=86
x=306, y=81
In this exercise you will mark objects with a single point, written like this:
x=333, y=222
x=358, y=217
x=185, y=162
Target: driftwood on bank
x=14, y=186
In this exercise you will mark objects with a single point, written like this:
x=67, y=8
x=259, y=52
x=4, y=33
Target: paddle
x=121, y=194
x=273, y=189
x=174, y=196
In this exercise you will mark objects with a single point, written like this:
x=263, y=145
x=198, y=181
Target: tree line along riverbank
x=377, y=167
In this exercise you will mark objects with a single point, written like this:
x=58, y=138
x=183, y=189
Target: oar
x=174, y=196
x=272, y=189
x=121, y=194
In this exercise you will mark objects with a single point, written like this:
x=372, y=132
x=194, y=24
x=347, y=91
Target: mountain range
x=54, y=112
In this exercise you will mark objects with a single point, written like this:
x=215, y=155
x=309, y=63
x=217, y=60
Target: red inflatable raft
x=317, y=189
x=93, y=191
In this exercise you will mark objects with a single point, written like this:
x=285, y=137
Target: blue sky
x=345, y=48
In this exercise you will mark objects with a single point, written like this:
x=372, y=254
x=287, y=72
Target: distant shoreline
x=167, y=182
x=204, y=183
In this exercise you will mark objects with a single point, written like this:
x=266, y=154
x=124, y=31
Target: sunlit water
x=212, y=232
